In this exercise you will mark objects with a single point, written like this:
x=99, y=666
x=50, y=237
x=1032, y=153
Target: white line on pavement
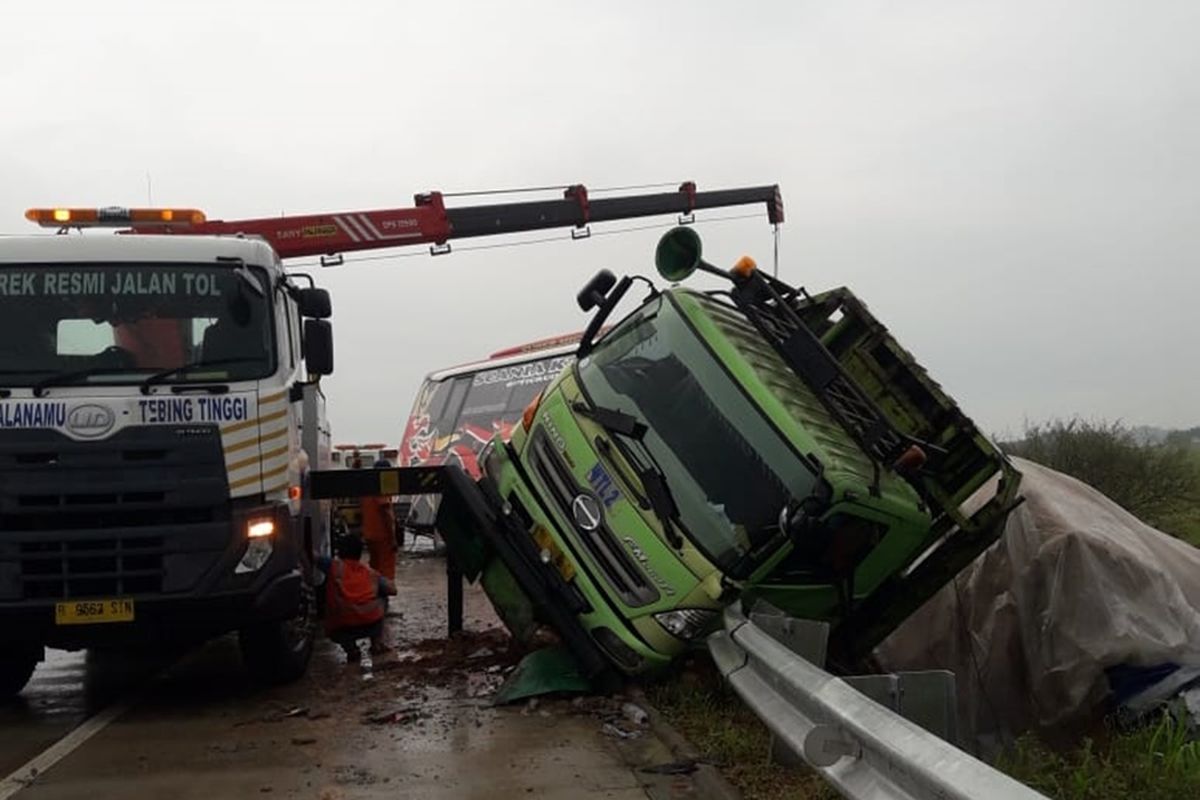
x=26, y=774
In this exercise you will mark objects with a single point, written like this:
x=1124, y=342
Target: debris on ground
x=401, y=716
x=609, y=729
x=441, y=661
x=635, y=714
x=547, y=671
x=353, y=776
x=685, y=767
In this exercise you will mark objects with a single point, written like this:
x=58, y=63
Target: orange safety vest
x=351, y=596
x=375, y=519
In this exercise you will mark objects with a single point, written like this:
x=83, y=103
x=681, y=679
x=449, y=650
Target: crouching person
x=355, y=599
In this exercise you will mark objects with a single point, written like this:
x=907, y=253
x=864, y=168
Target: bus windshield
x=454, y=417
x=118, y=323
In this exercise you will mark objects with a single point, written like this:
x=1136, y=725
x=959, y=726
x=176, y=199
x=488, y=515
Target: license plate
x=546, y=542
x=90, y=612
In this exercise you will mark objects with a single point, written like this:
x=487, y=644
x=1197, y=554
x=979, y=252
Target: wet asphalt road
x=418, y=724
x=55, y=701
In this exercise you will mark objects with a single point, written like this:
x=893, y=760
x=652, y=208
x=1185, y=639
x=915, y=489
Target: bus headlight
x=687, y=623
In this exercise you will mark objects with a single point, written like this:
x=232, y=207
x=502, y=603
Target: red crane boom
x=431, y=222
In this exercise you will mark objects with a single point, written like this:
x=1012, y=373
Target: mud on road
x=417, y=722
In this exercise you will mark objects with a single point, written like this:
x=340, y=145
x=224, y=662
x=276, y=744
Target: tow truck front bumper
x=158, y=618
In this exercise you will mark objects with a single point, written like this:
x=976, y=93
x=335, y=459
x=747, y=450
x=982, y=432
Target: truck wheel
x=16, y=667
x=278, y=652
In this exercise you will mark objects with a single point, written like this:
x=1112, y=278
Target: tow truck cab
x=750, y=442
x=159, y=411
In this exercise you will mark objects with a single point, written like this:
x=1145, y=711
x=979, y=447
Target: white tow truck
x=160, y=407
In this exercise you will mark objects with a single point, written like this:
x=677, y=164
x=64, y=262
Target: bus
x=458, y=410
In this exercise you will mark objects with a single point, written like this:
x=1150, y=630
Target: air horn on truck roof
x=680, y=253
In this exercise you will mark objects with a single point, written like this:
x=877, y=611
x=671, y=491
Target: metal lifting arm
x=430, y=222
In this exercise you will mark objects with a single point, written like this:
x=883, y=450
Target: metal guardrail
x=864, y=749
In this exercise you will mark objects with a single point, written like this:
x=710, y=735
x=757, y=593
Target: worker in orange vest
x=355, y=599
x=379, y=530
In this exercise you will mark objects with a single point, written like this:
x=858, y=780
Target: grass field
x=1158, y=762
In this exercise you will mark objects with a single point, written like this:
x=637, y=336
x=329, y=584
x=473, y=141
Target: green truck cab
x=751, y=442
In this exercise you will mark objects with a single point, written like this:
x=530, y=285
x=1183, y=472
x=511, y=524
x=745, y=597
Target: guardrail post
x=927, y=698
x=806, y=638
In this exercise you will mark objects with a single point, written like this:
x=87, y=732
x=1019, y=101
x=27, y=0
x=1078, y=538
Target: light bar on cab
x=113, y=216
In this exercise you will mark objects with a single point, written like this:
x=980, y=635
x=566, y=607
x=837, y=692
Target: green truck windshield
x=730, y=471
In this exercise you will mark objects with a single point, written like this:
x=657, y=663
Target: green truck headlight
x=687, y=623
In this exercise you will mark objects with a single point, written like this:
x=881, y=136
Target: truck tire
x=278, y=652
x=16, y=667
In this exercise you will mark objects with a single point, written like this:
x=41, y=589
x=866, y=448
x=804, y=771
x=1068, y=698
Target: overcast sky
x=1014, y=187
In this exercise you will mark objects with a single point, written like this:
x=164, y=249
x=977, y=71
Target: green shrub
x=1157, y=483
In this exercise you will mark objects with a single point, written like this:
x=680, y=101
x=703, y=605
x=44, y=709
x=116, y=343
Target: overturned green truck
x=755, y=441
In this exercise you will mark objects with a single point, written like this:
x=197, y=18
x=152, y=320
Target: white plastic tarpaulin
x=1074, y=586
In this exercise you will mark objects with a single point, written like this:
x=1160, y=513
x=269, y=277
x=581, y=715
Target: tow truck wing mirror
x=315, y=303
x=596, y=290
x=318, y=346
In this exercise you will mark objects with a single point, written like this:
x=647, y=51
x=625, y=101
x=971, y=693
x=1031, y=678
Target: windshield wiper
x=652, y=479
x=159, y=377
x=62, y=378
x=612, y=420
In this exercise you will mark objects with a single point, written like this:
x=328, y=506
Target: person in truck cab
x=355, y=599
